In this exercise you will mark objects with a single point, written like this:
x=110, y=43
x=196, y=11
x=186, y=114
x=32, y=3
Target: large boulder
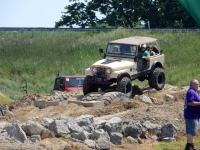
x=15, y=132
x=152, y=129
x=46, y=122
x=59, y=127
x=168, y=132
x=114, y=125
x=132, y=128
x=116, y=138
x=103, y=141
x=33, y=128
x=86, y=122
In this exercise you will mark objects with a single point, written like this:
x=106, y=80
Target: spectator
x=191, y=113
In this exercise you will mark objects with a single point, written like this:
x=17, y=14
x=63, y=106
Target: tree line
x=126, y=13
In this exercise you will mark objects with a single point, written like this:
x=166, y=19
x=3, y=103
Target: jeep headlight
x=94, y=69
x=108, y=71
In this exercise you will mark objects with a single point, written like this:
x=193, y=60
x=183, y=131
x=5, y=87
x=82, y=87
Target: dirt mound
x=161, y=111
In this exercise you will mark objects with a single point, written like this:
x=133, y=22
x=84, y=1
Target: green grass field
x=36, y=57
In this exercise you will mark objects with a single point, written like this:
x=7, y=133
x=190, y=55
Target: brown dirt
x=160, y=112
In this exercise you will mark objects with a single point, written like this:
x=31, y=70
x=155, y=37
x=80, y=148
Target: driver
x=144, y=52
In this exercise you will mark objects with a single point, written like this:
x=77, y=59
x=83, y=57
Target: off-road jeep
x=122, y=63
x=68, y=83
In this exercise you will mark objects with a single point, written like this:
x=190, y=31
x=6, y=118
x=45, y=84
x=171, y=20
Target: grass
x=4, y=99
x=36, y=57
x=175, y=145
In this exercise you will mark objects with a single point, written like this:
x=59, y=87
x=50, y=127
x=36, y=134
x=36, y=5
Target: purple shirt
x=191, y=112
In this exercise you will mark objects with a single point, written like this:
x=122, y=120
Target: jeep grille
x=101, y=71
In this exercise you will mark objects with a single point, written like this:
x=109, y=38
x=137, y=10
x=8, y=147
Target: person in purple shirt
x=191, y=113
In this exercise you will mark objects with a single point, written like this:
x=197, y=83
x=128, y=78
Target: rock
x=81, y=135
x=116, y=138
x=4, y=135
x=31, y=141
x=143, y=98
x=103, y=142
x=74, y=127
x=132, y=128
x=152, y=129
x=15, y=132
x=171, y=87
x=58, y=127
x=131, y=140
x=46, y=122
x=96, y=134
x=86, y=122
x=168, y=97
x=90, y=143
x=100, y=124
x=168, y=139
x=168, y=131
x=33, y=128
x=36, y=137
x=114, y=125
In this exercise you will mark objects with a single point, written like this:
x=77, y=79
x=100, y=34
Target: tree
x=127, y=13
x=77, y=14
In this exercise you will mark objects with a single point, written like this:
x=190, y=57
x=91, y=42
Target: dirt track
x=159, y=112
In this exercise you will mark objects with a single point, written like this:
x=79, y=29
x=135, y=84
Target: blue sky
x=31, y=13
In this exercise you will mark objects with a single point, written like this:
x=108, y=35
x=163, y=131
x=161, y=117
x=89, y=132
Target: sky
x=31, y=13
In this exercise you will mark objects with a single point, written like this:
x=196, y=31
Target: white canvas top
x=135, y=40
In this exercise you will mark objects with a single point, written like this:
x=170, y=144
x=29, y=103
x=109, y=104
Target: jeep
x=122, y=64
x=68, y=83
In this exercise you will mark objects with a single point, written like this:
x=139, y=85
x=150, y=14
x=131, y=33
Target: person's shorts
x=191, y=126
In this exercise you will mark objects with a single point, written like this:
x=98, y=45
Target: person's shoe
x=193, y=148
x=188, y=147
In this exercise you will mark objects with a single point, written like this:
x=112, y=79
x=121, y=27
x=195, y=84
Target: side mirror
x=104, y=55
x=100, y=50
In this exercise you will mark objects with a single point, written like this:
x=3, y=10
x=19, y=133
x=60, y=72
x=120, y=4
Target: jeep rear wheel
x=157, y=79
x=125, y=86
x=87, y=87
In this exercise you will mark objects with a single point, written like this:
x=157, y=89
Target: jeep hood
x=116, y=64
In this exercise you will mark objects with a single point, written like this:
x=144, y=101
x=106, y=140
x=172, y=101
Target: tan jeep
x=122, y=64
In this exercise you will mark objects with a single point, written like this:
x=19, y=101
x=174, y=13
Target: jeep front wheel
x=88, y=87
x=157, y=79
x=125, y=86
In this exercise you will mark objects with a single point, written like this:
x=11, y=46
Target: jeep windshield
x=121, y=49
x=74, y=81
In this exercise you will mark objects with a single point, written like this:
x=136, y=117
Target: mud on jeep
x=122, y=63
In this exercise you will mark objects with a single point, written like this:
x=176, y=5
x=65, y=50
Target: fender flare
x=156, y=64
x=124, y=74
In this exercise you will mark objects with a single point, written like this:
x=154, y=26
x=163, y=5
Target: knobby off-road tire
x=125, y=86
x=87, y=87
x=157, y=79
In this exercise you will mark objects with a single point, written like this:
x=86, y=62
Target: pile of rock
x=105, y=98
x=96, y=135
